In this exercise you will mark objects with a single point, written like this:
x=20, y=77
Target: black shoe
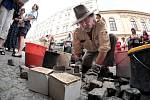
x=2, y=52
x=17, y=55
x=13, y=53
x=8, y=49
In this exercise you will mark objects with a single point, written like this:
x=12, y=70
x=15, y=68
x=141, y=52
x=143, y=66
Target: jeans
x=5, y=21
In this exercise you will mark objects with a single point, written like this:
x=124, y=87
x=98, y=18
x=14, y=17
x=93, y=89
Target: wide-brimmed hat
x=81, y=12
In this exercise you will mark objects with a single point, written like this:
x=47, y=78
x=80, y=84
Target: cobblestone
x=12, y=87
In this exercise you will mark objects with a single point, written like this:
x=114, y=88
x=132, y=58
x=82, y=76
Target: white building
x=59, y=24
x=118, y=22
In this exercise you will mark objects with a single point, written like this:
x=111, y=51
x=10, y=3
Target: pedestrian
x=51, y=42
x=6, y=15
x=133, y=40
x=24, y=28
x=123, y=43
x=99, y=18
x=12, y=38
x=145, y=38
x=91, y=36
x=67, y=46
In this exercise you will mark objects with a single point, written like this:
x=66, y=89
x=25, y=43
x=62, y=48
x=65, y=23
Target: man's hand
x=100, y=58
x=75, y=57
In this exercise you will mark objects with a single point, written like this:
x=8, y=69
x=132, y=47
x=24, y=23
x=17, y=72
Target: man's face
x=133, y=31
x=34, y=7
x=87, y=23
x=98, y=17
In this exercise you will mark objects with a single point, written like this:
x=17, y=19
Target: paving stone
x=145, y=97
x=89, y=78
x=124, y=87
x=131, y=94
x=95, y=84
x=97, y=94
x=111, y=92
x=112, y=98
x=84, y=95
x=107, y=84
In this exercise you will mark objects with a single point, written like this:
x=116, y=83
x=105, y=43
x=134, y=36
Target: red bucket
x=34, y=54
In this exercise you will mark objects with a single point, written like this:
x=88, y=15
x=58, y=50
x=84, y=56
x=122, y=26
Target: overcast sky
x=49, y=7
x=137, y=5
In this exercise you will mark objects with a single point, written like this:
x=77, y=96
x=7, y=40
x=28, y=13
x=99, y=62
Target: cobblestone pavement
x=12, y=87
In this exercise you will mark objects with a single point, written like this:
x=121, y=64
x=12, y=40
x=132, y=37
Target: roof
x=124, y=11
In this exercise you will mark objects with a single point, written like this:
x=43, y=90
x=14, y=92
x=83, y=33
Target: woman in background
x=145, y=38
x=133, y=40
x=28, y=20
x=7, y=8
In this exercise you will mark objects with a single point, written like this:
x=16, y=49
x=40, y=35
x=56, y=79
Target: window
x=143, y=25
x=112, y=24
x=149, y=25
x=133, y=24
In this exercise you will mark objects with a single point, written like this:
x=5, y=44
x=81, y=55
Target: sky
x=49, y=7
x=136, y=5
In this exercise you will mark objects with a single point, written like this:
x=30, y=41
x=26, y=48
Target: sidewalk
x=12, y=87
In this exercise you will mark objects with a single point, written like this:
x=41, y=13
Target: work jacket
x=100, y=40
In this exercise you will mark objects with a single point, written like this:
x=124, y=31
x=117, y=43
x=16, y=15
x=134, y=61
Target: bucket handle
x=140, y=62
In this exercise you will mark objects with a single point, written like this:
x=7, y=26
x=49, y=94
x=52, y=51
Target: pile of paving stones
x=103, y=85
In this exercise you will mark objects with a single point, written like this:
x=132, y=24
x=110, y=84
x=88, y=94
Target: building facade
x=59, y=24
x=118, y=22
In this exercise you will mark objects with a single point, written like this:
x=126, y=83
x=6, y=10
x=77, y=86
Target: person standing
x=12, y=38
x=123, y=43
x=23, y=29
x=6, y=15
x=145, y=38
x=91, y=36
x=133, y=40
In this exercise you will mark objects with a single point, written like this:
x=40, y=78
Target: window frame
x=133, y=24
x=112, y=24
x=144, y=25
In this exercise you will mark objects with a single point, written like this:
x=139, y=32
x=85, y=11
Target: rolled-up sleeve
x=104, y=39
x=76, y=43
